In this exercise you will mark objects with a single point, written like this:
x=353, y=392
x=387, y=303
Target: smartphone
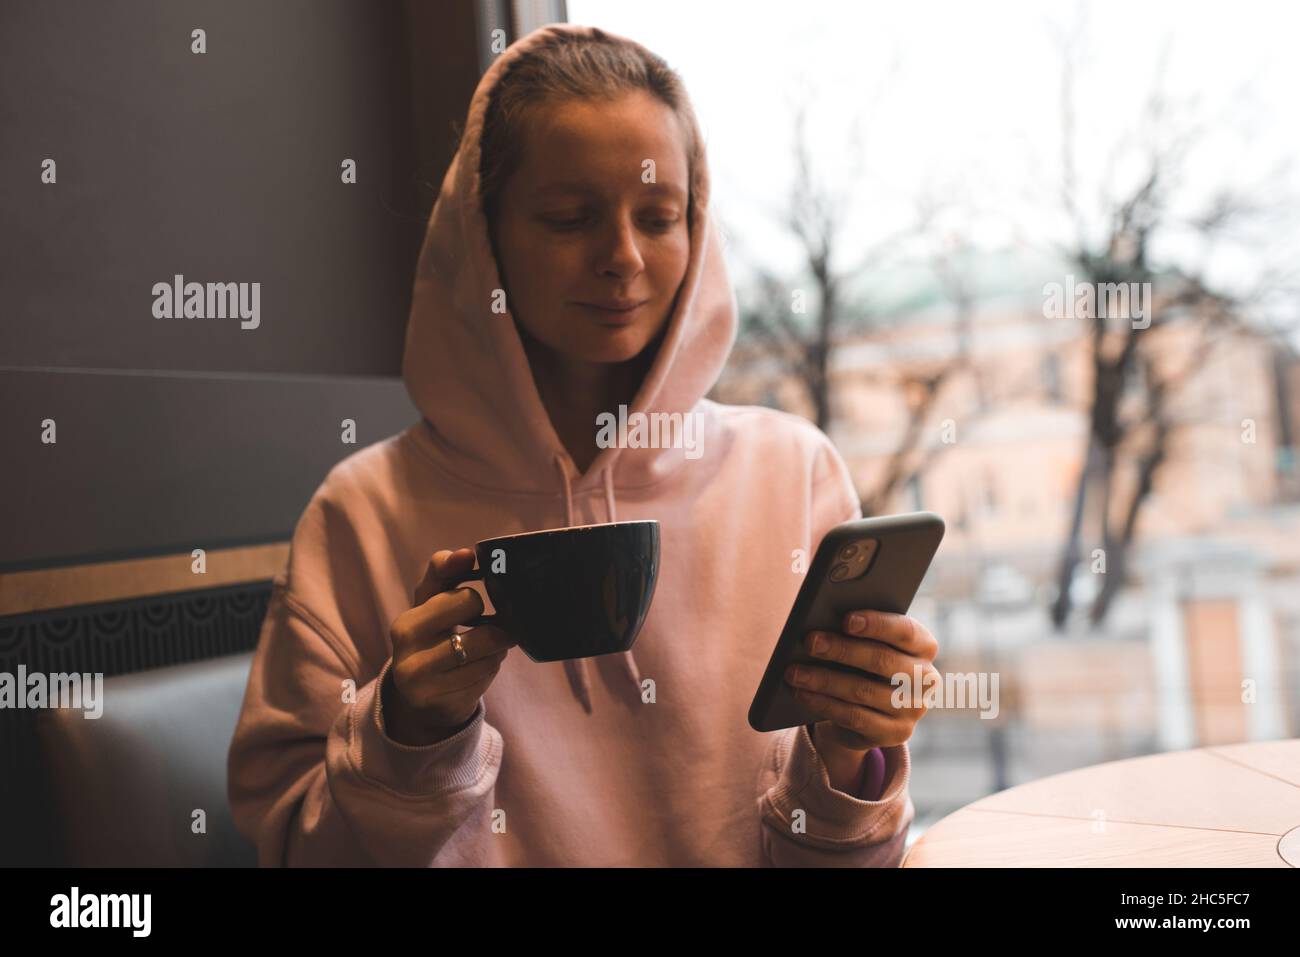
x=868, y=563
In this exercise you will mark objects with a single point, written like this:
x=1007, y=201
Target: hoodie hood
x=467, y=372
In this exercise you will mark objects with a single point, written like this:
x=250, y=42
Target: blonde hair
x=566, y=66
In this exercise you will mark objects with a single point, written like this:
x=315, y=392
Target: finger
x=427, y=689
x=445, y=568
x=865, y=654
x=884, y=730
x=856, y=689
x=849, y=739
x=426, y=625
x=901, y=631
x=483, y=642
x=475, y=675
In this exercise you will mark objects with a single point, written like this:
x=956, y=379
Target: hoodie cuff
x=833, y=815
x=452, y=764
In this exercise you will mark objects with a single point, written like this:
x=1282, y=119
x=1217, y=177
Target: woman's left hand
x=856, y=710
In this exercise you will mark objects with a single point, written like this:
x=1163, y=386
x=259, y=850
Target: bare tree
x=922, y=386
x=799, y=320
x=1131, y=394
x=800, y=323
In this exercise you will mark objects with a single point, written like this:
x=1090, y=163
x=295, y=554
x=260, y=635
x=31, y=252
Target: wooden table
x=1223, y=806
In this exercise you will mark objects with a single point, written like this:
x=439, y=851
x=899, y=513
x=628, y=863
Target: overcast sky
x=962, y=102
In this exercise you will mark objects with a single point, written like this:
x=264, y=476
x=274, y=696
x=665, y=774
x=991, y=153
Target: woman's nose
x=619, y=253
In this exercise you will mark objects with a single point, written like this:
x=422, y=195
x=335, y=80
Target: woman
x=579, y=189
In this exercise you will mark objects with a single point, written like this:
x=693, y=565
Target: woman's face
x=578, y=229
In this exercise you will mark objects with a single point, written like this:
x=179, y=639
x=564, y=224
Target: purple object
x=874, y=778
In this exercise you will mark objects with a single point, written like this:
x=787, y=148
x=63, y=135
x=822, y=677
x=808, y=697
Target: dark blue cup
x=570, y=592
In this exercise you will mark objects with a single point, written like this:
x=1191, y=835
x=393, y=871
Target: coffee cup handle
x=477, y=576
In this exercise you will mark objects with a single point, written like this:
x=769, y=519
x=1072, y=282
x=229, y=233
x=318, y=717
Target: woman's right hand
x=429, y=695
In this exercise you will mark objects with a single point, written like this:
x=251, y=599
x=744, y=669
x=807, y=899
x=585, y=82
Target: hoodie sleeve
x=314, y=780
x=808, y=823
x=805, y=821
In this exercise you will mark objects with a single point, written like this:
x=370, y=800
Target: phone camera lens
x=848, y=551
x=839, y=573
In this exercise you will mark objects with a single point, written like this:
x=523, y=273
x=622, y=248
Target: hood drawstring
x=576, y=669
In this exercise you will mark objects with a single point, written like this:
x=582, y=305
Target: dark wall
x=223, y=167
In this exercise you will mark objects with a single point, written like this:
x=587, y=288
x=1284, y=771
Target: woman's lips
x=611, y=316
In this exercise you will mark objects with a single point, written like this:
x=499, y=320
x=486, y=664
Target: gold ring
x=458, y=646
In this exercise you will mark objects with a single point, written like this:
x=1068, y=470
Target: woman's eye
x=565, y=222
x=656, y=224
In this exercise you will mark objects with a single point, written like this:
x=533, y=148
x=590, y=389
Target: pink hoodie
x=563, y=763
